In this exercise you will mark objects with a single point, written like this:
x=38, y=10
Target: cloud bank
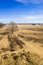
x=25, y=19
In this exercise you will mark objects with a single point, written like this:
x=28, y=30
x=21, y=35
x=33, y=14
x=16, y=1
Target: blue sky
x=21, y=11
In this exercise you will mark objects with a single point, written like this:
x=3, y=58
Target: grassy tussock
x=14, y=42
x=30, y=38
x=25, y=58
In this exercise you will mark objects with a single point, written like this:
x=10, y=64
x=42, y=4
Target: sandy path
x=4, y=42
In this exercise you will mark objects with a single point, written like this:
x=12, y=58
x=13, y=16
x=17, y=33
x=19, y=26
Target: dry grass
x=25, y=58
x=28, y=39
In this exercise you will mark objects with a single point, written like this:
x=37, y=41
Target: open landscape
x=21, y=44
x=21, y=32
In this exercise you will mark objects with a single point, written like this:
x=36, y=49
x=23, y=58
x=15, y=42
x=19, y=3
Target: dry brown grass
x=29, y=38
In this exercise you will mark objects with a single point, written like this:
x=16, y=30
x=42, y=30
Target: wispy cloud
x=30, y=1
x=22, y=1
x=33, y=17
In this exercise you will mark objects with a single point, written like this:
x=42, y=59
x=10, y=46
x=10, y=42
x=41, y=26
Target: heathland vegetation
x=21, y=44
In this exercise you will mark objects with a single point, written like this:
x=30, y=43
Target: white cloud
x=31, y=1
x=22, y=1
x=33, y=17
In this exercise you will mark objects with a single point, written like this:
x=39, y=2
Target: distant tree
x=13, y=27
x=41, y=25
x=1, y=24
x=33, y=24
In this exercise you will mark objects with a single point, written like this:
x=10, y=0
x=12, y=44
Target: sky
x=21, y=11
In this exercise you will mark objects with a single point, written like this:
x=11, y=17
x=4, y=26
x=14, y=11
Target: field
x=21, y=44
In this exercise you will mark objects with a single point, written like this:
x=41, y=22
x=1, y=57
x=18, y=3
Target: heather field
x=21, y=44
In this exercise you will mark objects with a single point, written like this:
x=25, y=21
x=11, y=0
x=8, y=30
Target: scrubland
x=23, y=46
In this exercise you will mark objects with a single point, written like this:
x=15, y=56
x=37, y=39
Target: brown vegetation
x=21, y=47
